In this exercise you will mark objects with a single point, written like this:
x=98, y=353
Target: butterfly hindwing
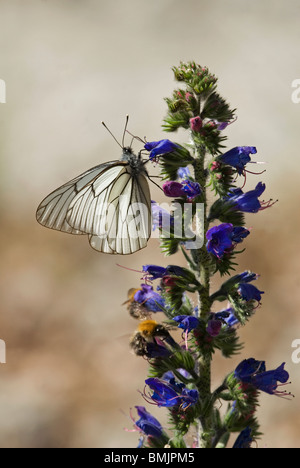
x=127, y=220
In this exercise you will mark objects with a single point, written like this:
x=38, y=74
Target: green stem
x=202, y=260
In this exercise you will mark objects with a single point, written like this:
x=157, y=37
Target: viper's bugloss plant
x=209, y=235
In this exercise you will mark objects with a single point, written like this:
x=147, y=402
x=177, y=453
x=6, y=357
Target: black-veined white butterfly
x=110, y=203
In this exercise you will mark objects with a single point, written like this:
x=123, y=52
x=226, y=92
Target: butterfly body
x=110, y=203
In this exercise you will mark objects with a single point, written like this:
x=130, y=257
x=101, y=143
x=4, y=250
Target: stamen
x=267, y=204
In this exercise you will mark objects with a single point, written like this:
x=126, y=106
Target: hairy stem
x=201, y=259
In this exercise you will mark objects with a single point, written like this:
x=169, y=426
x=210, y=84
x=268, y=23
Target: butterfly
x=110, y=203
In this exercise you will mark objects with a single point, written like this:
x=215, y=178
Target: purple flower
x=248, y=202
x=147, y=423
x=214, y=327
x=249, y=292
x=150, y=299
x=254, y=372
x=173, y=189
x=238, y=157
x=222, y=238
x=187, y=188
x=186, y=322
x=171, y=393
x=222, y=125
x=157, y=148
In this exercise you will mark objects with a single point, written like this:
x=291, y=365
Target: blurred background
x=70, y=379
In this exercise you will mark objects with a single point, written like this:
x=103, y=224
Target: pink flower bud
x=215, y=166
x=196, y=124
x=173, y=189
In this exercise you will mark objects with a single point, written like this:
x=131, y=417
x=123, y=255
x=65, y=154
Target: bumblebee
x=136, y=309
x=148, y=339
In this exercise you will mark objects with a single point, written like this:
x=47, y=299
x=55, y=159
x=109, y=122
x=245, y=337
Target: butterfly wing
x=52, y=211
x=129, y=225
x=115, y=210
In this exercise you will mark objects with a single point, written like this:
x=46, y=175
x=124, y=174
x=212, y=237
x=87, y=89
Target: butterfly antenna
x=125, y=130
x=105, y=126
x=134, y=137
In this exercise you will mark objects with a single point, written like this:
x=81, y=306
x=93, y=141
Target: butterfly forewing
x=87, y=211
x=110, y=202
x=52, y=211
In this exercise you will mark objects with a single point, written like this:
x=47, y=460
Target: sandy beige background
x=70, y=379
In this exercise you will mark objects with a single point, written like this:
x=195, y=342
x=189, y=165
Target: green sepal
x=216, y=107
x=171, y=162
x=221, y=178
x=226, y=212
x=243, y=310
x=209, y=138
x=180, y=359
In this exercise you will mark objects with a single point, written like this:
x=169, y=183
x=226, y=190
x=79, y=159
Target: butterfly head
x=135, y=162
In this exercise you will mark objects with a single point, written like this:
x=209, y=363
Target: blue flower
x=247, y=368
x=246, y=277
x=161, y=218
x=171, y=393
x=248, y=202
x=239, y=234
x=150, y=299
x=154, y=271
x=250, y=292
x=186, y=322
x=267, y=381
x=238, y=157
x=191, y=189
x=183, y=173
x=222, y=238
x=147, y=423
x=157, y=349
x=224, y=317
x=254, y=372
x=157, y=148
x=244, y=440
x=164, y=394
x=231, y=319
x=219, y=239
